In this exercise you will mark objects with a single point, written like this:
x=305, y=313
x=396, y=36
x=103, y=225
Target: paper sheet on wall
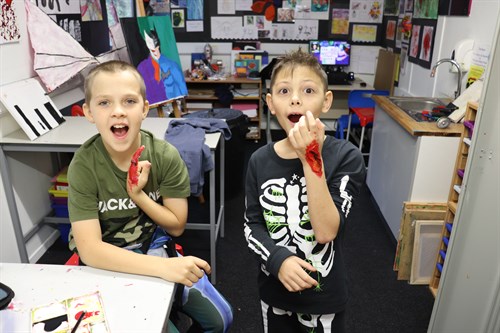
x=225, y=7
x=243, y=5
x=231, y=27
x=364, y=33
x=301, y=30
x=364, y=59
x=309, y=10
x=192, y=26
x=366, y=11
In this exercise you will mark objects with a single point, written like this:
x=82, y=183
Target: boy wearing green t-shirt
x=123, y=207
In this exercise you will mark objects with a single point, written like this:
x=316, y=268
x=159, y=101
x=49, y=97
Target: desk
x=339, y=106
x=132, y=303
x=245, y=91
x=68, y=137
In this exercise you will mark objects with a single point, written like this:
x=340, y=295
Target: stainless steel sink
x=414, y=106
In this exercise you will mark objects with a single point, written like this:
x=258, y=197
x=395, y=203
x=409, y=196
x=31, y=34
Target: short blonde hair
x=113, y=66
x=299, y=58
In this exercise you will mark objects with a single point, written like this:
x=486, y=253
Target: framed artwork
x=390, y=31
x=178, y=18
x=422, y=42
x=153, y=50
x=389, y=28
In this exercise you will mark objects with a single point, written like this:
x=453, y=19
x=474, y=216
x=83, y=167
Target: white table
x=68, y=137
x=132, y=303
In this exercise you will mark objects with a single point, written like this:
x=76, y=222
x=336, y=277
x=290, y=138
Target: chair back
x=363, y=98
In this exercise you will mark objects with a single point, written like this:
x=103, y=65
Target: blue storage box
x=60, y=210
x=64, y=231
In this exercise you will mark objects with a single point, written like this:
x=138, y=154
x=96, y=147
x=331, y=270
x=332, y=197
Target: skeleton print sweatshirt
x=277, y=224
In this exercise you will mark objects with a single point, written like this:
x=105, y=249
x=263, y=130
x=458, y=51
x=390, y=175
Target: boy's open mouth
x=294, y=118
x=119, y=130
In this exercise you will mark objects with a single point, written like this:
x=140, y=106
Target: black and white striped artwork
x=33, y=110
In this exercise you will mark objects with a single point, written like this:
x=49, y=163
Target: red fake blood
x=133, y=169
x=313, y=158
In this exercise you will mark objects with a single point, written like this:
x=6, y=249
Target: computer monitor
x=331, y=52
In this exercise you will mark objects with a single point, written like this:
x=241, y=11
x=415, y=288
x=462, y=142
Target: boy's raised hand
x=186, y=270
x=293, y=274
x=141, y=174
x=305, y=131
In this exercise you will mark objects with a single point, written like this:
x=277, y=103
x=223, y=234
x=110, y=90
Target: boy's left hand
x=143, y=168
x=305, y=131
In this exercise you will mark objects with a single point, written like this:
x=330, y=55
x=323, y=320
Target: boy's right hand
x=186, y=270
x=293, y=274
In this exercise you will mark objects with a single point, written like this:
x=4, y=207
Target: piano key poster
x=34, y=111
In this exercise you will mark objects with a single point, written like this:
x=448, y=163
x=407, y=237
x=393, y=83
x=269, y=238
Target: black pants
x=278, y=321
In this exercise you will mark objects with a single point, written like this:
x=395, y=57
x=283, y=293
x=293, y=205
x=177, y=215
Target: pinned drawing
x=9, y=30
x=426, y=48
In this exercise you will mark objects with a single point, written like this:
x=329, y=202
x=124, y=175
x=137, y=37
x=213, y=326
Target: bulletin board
x=324, y=26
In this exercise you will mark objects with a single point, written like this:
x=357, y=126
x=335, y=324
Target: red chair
x=362, y=106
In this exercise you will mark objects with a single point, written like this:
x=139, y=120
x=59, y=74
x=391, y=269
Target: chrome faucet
x=459, y=69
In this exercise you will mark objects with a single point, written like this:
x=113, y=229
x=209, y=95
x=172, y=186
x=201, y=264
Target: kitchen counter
x=410, y=161
x=414, y=127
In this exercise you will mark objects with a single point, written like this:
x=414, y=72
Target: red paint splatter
x=133, y=169
x=313, y=158
x=427, y=42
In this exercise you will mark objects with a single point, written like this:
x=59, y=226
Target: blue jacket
x=188, y=136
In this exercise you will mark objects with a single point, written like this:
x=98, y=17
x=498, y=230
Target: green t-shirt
x=97, y=189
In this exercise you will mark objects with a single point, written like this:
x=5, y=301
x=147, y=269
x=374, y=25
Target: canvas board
x=32, y=109
x=425, y=250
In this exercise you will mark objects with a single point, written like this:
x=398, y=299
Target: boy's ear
x=269, y=101
x=146, y=109
x=87, y=112
x=328, y=101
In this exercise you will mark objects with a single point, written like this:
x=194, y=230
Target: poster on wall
x=9, y=29
x=153, y=50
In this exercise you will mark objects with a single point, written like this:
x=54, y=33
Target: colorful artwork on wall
x=153, y=50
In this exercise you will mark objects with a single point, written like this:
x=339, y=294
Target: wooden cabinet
x=454, y=193
x=247, y=98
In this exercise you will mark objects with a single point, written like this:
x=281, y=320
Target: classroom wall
x=479, y=26
x=16, y=64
